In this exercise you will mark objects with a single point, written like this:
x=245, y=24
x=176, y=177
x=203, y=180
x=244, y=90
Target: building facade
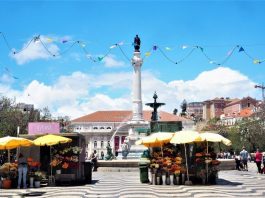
x=215, y=108
x=103, y=127
x=238, y=109
x=195, y=109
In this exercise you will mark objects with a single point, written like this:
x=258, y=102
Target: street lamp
x=262, y=87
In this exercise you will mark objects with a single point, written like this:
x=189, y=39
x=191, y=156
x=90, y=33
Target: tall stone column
x=137, y=62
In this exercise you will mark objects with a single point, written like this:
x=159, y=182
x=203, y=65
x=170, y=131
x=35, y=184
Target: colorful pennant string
x=48, y=40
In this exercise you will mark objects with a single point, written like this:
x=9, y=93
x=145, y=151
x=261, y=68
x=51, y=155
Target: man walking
x=244, y=157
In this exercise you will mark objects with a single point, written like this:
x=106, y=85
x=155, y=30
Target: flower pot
x=58, y=172
x=183, y=178
x=150, y=177
x=203, y=181
x=153, y=179
x=177, y=180
x=167, y=180
x=37, y=184
x=31, y=182
x=6, y=183
x=163, y=179
x=157, y=180
x=171, y=179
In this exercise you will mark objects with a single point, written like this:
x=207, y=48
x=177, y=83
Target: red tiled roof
x=245, y=113
x=122, y=116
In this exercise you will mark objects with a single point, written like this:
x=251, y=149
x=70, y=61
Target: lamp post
x=262, y=87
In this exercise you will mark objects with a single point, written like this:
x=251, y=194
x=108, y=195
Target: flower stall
x=61, y=161
x=65, y=158
x=171, y=169
x=187, y=159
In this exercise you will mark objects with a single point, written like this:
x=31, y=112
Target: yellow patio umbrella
x=155, y=140
x=214, y=137
x=50, y=140
x=185, y=137
x=9, y=142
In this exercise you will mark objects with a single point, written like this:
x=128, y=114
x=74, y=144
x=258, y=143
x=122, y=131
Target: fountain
x=155, y=105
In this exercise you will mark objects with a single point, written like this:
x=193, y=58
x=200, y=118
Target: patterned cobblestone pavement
x=127, y=184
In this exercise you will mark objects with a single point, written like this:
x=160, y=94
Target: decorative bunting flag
x=49, y=40
x=212, y=62
x=241, y=49
x=36, y=39
x=154, y=47
x=229, y=52
x=113, y=46
x=100, y=58
x=121, y=43
x=199, y=47
x=168, y=48
x=256, y=61
x=82, y=44
x=184, y=46
x=64, y=41
x=147, y=54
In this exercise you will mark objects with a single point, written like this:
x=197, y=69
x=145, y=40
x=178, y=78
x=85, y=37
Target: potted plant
x=8, y=172
x=38, y=177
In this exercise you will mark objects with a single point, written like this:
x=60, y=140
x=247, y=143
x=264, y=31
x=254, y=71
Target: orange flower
x=198, y=154
x=65, y=165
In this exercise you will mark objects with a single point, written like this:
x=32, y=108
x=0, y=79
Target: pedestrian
x=258, y=159
x=102, y=155
x=94, y=160
x=244, y=158
x=22, y=170
x=238, y=163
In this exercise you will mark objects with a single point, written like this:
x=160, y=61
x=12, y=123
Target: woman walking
x=22, y=170
x=258, y=159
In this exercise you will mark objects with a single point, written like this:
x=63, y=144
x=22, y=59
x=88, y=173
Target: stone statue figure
x=125, y=148
x=137, y=43
x=109, y=155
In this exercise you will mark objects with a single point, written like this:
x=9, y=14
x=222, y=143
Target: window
x=101, y=127
x=95, y=144
x=102, y=144
x=95, y=127
x=108, y=127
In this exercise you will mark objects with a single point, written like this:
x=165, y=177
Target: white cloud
x=79, y=94
x=35, y=50
x=111, y=61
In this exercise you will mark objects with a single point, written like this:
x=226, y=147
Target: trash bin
x=143, y=167
x=88, y=172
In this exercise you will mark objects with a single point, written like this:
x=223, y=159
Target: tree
x=183, y=107
x=252, y=129
x=175, y=111
x=46, y=114
x=12, y=116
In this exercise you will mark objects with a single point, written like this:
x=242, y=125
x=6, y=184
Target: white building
x=103, y=127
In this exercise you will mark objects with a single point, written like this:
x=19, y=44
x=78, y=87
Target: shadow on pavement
x=32, y=194
x=226, y=182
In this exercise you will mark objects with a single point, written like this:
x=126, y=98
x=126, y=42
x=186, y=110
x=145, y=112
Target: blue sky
x=73, y=85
